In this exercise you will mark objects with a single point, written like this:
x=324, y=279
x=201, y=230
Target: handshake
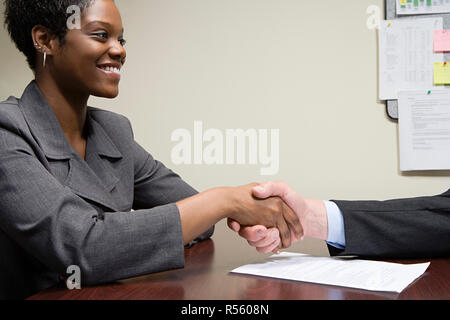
x=277, y=216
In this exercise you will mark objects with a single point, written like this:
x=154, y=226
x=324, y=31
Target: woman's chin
x=108, y=94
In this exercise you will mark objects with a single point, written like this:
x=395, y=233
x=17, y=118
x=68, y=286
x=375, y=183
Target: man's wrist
x=315, y=219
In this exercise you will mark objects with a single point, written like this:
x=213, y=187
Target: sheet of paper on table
x=412, y=7
x=407, y=56
x=424, y=130
x=361, y=274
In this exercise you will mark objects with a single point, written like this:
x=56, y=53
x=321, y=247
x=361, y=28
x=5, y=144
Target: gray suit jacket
x=57, y=209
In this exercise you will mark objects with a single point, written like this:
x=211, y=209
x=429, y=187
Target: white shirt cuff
x=336, y=231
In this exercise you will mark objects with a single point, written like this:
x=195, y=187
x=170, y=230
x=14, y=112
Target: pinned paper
x=407, y=56
x=442, y=40
x=424, y=130
x=441, y=73
x=415, y=7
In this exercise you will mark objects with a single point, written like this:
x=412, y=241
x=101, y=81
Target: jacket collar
x=93, y=178
x=98, y=140
x=48, y=131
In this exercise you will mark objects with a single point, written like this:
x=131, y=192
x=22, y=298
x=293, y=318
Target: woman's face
x=92, y=57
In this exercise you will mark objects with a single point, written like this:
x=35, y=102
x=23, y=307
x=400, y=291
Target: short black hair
x=22, y=15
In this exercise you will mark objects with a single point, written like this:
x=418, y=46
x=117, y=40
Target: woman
x=71, y=174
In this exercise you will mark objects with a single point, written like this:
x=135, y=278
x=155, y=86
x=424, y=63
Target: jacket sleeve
x=156, y=185
x=402, y=228
x=60, y=229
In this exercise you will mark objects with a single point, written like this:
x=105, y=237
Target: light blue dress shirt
x=336, y=231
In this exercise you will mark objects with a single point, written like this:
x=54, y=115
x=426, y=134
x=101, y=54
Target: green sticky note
x=441, y=73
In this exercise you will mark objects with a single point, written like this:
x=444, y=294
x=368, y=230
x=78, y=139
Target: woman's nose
x=118, y=51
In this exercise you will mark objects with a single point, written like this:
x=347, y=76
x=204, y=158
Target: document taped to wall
x=413, y=7
x=407, y=55
x=424, y=130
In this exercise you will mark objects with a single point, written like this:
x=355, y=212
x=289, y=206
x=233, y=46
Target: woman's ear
x=44, y=40
x=45, y=43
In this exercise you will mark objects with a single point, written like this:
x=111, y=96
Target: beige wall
x=308, y=68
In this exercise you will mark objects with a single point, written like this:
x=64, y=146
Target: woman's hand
x=269, y=212
x=311, y=212
x=199, y=212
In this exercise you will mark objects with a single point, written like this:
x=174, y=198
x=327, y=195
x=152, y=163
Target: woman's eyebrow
x=106, y=24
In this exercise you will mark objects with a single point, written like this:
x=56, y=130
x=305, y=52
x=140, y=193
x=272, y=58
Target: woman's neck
x=69, y=107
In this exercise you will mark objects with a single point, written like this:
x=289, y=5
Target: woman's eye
x=102, y=35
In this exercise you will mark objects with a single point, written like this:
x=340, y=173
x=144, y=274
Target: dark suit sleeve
x=402, y=228
x=156, y=185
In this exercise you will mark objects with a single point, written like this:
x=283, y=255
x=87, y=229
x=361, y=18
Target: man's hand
x=311, y=212
x=268, y=211
x=263, y=239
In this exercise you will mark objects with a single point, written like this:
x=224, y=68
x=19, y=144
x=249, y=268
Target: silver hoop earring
x=45, y=58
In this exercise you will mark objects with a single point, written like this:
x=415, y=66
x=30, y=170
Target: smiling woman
x=70, y=174
x=91, y=52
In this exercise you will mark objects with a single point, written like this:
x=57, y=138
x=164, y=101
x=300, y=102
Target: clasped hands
x=293, y=218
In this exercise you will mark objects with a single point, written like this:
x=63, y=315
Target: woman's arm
x=157, y=185
x=201, y=211
x=59, y=228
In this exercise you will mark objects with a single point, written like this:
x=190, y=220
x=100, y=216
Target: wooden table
x=206, y=277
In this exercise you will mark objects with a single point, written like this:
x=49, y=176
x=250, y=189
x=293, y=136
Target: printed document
x=411, y=7
x=407, y=57
x=361, y=274
x=424, y=130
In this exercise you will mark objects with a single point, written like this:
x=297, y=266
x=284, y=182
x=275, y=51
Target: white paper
x=424, y=130
x=423, y=7
x=361, y=274
x=407, y=57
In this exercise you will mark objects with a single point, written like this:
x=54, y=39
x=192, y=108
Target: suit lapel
x=93, y=179
x=85, y=183
x=102, y=154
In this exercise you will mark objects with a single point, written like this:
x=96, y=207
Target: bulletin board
x=391, y=13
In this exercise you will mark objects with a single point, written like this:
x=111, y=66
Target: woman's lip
x=110, y=73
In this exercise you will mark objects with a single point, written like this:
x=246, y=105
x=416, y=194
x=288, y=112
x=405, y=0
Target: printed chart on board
x=405, y=7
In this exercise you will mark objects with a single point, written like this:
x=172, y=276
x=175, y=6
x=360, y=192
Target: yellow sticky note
x=441, y=73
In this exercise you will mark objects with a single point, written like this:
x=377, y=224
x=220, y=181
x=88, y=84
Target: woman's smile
x=111, y=70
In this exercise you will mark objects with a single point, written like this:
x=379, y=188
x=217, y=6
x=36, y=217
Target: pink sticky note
x=442, y=40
